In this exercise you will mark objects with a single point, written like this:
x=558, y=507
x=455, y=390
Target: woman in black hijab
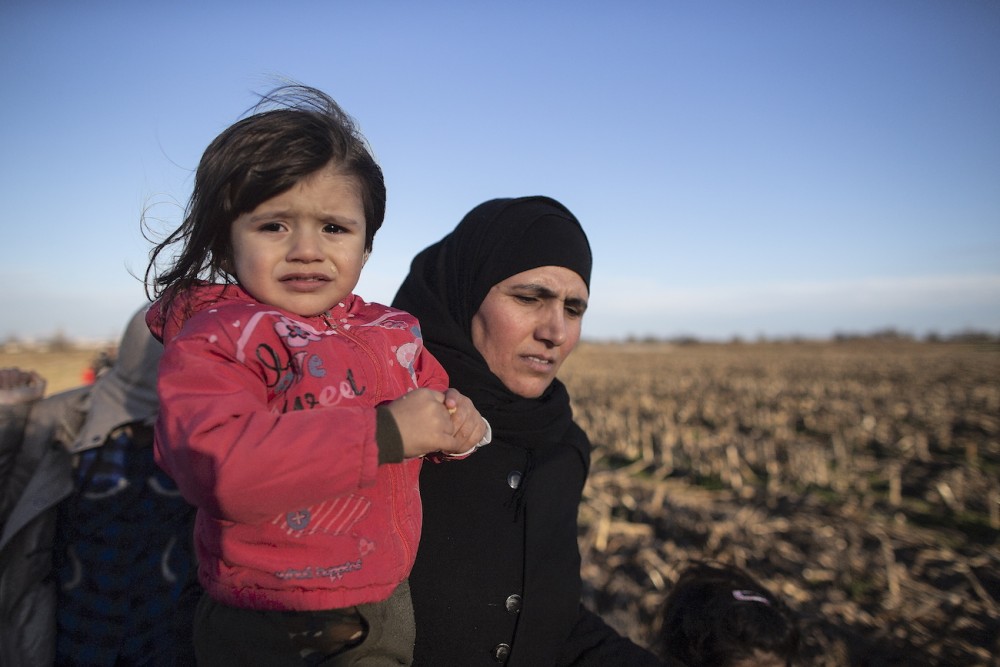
x=497, y=576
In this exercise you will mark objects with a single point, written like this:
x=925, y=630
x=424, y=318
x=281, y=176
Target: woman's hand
x=470, y=427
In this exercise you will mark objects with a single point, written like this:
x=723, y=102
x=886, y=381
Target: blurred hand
x=17, y=386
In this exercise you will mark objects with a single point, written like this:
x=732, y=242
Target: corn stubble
x=857, y=479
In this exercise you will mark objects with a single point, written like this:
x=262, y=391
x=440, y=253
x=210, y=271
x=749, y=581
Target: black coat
x=498, y=573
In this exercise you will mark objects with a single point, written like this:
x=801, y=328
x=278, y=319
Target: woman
x=497, y=577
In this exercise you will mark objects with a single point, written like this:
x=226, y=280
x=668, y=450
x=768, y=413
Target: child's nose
x=305, y=247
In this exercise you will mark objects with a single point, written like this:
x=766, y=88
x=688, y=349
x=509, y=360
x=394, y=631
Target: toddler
x=294, y=414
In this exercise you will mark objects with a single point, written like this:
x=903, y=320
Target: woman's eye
x=521, y=298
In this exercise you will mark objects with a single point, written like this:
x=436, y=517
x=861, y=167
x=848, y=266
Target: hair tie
x=750, y=596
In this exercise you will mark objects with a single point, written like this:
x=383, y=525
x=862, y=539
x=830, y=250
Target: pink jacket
x=267, y=425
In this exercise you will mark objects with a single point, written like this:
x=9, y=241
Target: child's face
x=303, y=250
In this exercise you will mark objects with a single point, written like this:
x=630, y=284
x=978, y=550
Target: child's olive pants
x=376, y=634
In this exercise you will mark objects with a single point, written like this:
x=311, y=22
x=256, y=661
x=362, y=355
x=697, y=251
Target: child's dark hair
x=719, y=615
x=291, y=133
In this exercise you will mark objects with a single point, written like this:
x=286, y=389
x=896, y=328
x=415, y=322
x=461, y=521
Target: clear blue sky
x=742, y=168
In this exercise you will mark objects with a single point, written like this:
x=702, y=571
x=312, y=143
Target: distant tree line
x=60, y=342
x=888, y=334
x=57, y=342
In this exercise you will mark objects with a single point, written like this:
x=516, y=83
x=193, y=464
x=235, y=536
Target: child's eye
x=333, y=229
x=270, y=227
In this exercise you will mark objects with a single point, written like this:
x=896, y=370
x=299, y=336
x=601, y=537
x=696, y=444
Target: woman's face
x=528, y=324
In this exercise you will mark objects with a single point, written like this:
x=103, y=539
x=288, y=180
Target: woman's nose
x=552, y=328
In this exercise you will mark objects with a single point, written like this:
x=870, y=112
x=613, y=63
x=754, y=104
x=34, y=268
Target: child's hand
x=430, y=421
x=470, y=427
x=423, y=422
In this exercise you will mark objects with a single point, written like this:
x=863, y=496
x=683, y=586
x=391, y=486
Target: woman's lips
x=541, y=363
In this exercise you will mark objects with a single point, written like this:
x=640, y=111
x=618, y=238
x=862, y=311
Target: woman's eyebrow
x=543, y=292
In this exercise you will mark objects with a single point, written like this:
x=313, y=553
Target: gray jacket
x=38, y=440
x=35, y=475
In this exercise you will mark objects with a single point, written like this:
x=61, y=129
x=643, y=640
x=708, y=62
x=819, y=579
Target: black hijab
x=448, y=282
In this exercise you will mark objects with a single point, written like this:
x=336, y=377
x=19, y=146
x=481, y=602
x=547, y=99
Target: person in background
x=501, y=300
x=35, y=475
x=96, y=544
x=104, y=360
x=719, y=616
x=294, y=414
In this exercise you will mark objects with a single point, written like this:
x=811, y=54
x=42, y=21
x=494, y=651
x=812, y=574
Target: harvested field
x=857, y=479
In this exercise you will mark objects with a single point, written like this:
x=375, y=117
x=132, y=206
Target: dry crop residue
x=857, y=479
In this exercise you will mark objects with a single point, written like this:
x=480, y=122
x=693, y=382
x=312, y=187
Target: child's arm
x=233, y=456
x=469, y=429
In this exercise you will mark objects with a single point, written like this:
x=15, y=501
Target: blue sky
x=768, y=168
